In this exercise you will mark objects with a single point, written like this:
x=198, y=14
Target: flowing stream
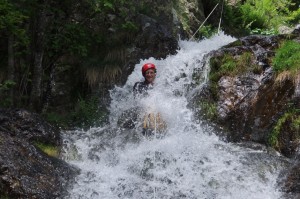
x=190, y=161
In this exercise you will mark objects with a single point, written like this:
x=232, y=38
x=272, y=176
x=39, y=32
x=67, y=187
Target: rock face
x=291, y=182
x=28, y=126
x=26, y=171
x=250, y=103
x=156, y=39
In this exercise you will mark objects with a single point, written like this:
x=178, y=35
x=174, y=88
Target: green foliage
x=260, y=16
x=87, y=113
x=296, y=123
x=252, y=17
x=6, y=100
x=229, y=65
x=11, y=21
x=294, y=17
x=7, y=85
x=74, y=40
x=259, y=31
x=108, y=4
x=10, y=17
x=209, y=109
x=273, y=137
x=265, y=13
x=207, y=31
x=232, y=21
x=4, y=196
x=103, y=5
x=287, y=57
x=50, y=150
x=57, y=119
x=130, y=26
x=291, y=117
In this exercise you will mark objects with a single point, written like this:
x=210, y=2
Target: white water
x=189, y=162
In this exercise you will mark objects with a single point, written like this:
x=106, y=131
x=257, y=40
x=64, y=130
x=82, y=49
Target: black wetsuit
x=141, y=88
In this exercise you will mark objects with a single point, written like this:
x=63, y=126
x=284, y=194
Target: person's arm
x=136, y=89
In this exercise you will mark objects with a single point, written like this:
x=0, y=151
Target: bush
x=87, y=113
x=262, y=16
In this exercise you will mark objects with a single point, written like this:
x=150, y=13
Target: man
x=152, y=122
x=149, y=73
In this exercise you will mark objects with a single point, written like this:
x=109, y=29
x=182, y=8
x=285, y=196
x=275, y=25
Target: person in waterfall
x=149, y=73
x=151, y=121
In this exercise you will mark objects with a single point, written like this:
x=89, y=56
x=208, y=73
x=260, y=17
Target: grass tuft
x=286, y=62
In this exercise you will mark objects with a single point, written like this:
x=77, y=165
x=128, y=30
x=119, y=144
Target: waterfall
x=190, y=161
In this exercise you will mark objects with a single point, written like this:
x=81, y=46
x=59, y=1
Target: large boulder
x=250, y=102
x=28, y=126
x=25, y=170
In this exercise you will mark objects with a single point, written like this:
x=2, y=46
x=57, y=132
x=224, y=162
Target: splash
x=189, y=162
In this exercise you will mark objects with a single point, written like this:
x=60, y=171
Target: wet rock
x=156, y=39
x=296, y=30
x=26, y=171
x=129, y=118
x=250, y=107
x=290, y=181
x=285, y=30
x=28, y=126
x=250, y=103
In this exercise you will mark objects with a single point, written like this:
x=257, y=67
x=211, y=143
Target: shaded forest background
x=60, y=58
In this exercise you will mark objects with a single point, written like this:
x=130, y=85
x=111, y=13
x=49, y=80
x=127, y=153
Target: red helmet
x=147, y=67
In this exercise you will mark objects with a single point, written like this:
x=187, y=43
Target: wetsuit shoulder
x=140, y=87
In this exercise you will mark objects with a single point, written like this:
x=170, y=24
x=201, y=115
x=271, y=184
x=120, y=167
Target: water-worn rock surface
x=249, y=103
x=26, y=171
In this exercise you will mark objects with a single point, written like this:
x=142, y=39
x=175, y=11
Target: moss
x=286, y=62
x=290, y=120
x=296, y=123
x=209, y=109
x=229, y=65
x=50, y=150
x=182, y=14
x=287, y=57
x=274, y=135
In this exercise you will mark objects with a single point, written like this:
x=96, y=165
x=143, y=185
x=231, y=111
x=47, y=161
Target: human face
x=150, y=76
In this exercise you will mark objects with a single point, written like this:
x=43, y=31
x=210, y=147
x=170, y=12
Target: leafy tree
x=43, y=40
x=13, y=37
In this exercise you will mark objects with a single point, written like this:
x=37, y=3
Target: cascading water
x=189, y=162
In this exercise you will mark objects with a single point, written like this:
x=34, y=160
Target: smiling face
x=150, y=76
